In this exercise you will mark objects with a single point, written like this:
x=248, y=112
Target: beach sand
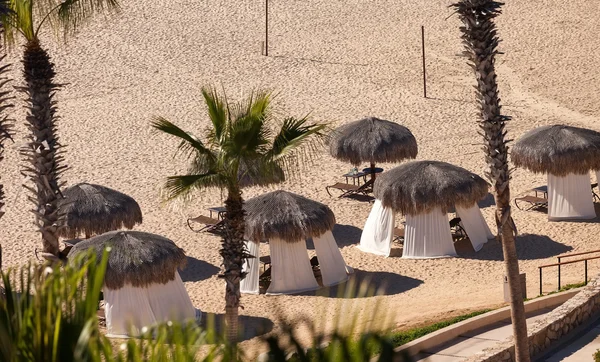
x=338, y=61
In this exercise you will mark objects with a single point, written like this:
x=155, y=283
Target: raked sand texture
x=339, y=61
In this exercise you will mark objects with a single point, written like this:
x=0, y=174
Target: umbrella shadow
x=197, y=270
x=346, y=235
x=487, y=201
x=249, y=326
x=364, y=284
x=529, y=247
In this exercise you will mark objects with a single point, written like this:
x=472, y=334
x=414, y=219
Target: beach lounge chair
x=529, y=202
x=211, y=225
x=458, y=232
x=350, y=189
x=398, y=235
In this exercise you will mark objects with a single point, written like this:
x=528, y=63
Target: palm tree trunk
x=233, y=252
x=43, y=150
x=480, y=40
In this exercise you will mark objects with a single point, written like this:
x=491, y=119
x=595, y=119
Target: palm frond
x=18, y=20
x=70, y=14
x=218, y=114
x=189, y=143
x=181, y=186
x=248, y=136
x=293, y=133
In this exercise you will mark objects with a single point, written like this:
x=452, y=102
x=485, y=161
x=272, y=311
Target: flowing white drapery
x=251, y=266
x=570, y=197
x=474, y=224
x=428, y=235
x=129, y=309
x=291, y=271
x=331, y=262
x=378, y=232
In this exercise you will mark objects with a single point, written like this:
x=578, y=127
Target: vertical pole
x=424, y=75
x=585, y=271
x=559, y=274
x=267, y=28
x=540, y=281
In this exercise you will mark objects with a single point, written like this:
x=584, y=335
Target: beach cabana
x=285, y=220
x=372, y=140
x=142, y=286
x=93, y=209
x=567, y=154
x=424, y=191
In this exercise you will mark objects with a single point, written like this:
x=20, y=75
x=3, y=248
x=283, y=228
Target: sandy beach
x=338, y=61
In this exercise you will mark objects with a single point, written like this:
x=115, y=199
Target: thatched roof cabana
x=420, y=186
x=137, y=258
x=286, y=216
x=372, y=140
x=93, y=209
x=559, y=150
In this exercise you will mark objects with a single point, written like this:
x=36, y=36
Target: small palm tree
x=481, y=41
x=240, y=149
x=43, y=151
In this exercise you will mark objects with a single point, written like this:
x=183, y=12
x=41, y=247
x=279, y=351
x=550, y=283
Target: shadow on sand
x=529, y=247
x=197, y=270
x=363, y=284
x=249, y=326
x=346, y=235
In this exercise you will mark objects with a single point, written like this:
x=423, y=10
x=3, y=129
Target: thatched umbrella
x=372, y=140
x=136, y=258
x=559, y=150
x=286, y=216
x=93, y=209
x=420, y=186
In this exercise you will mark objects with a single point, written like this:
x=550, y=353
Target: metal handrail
x=585, y=260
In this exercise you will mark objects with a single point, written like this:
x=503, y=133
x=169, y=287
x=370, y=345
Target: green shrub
x=597, y=356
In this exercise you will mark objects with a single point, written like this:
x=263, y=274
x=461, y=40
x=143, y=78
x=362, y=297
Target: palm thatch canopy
x=136, y=258
x=559, y=150
x=420, y=186
x=286, y=216
x=93, y=209
x=372, y=140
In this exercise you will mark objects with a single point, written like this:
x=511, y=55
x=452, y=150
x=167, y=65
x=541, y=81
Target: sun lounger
x=398, y=235
x=529, y=202
x=210, y=225
x=349, y=189
x=458, y=233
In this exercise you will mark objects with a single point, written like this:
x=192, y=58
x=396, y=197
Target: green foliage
x=241, y=148
x=597, y=356
x=400, y=338
x=49, y=314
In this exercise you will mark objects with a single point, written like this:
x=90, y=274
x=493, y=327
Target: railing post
x=585, y=271
x=540, y=281
x=559, y=274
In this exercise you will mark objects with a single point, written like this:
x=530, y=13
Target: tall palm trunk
x=233, y=252
x=480, y=40
x=43, y=150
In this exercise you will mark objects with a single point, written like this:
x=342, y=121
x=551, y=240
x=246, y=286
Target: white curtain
x=378, y=232
x=251, y=266
x=129, y=309
x=331, y=262
x=474, y=224
x=428, y=236
x=570, y=197
x=291, y=271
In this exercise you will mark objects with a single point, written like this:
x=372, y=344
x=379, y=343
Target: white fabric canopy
x=251, y=266
x=129, y=309
x=331, y=262
x=570, y=197
x=474, y=224
x=428, y=236
x=291, y=271
x=378, y=232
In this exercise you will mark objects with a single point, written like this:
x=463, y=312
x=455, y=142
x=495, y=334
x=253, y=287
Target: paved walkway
x=581, y=349
x=475, y=341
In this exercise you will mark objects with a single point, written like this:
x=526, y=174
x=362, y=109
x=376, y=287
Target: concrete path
x=475, y=341
x=581, y=349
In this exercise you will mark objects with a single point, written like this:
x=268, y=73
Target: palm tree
x=240, y=149
x=480, y=39
x=43, y=151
